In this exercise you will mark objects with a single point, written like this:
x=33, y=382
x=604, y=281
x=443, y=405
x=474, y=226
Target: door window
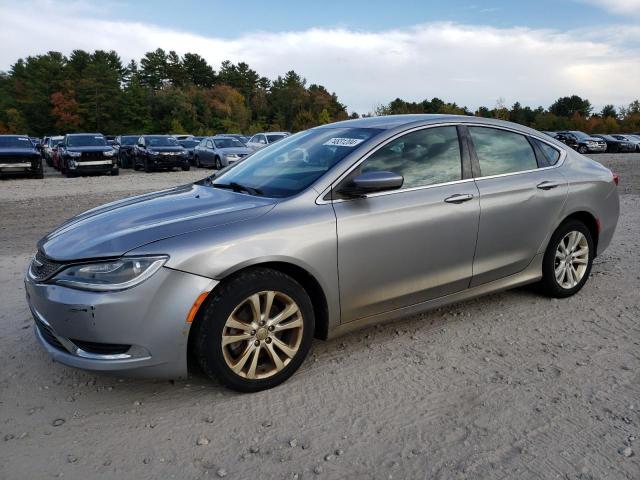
x=424, y=157
x=501, y=151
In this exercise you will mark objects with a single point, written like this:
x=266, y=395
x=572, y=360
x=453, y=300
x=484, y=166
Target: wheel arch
x=589, y=220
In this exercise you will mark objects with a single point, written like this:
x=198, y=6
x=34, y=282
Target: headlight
x=109, y=153
x=232, y=156
x=74, y=154
x=125, y=272
x=152, y=152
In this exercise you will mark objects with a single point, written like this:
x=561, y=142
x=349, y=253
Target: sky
x=367, y=52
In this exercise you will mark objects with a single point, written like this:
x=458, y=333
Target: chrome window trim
x=321, y=201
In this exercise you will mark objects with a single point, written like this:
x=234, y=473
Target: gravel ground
x=509, y=386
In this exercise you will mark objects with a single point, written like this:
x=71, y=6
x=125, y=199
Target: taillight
x=616, y=178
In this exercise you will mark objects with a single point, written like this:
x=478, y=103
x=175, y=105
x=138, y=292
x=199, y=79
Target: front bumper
x=145, y=326
x=169, y=161
x=597, y=148
x=17, y=167
x=91, y=165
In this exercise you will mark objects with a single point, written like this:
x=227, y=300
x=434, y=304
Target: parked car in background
x=50, y=149
x=86, y=153
x=18, y=155
x=635, y=139
x=240, y=271
x=616, y=146
x=160, y=152
x=189, y=145
x=261, y=140
x=219, y=152
x=569, y=141
x=584, y=143
x=551, y=134
x=125, y=149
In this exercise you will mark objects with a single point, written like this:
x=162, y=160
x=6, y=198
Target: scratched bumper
x=149, y=318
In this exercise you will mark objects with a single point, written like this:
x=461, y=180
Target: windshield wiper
x=236, y=187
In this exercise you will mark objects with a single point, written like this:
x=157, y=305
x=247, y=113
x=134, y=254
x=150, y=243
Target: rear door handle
x=546, y=185
x=459, y=198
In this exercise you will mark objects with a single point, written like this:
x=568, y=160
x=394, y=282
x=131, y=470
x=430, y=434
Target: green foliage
x=86, y=91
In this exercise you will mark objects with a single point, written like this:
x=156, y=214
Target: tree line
x=566, y=113
x=166, y=92
x=163, y=92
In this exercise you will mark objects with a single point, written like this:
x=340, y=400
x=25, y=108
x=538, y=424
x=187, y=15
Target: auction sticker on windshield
x=344, y=142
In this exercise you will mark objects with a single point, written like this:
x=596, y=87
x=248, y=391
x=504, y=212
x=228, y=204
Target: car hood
x=238, y=150
x=113, y=229
x=17, y=152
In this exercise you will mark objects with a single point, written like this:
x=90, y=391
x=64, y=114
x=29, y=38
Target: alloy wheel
x=571, y=259
x=262, y=335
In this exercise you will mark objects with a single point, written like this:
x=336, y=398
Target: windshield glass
x=275, y=138
x=288, y=167
x=161, y=141
x=228, y=143
x=15, y=142
x=189, y=143
x=86, y=141
x=129, y=140
x=581, y=135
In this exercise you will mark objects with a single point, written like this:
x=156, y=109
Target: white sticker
x=344, y=142
x=23, y=138
x=97, y=137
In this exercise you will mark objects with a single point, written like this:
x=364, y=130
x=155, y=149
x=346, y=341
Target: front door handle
x=546, y=185
x=459, y=198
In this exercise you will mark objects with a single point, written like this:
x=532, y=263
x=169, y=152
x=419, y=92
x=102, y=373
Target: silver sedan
x=219, y=152
x=329, y=230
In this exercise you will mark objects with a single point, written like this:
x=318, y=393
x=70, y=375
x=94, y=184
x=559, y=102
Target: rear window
x=551, y=154
x=502, y=151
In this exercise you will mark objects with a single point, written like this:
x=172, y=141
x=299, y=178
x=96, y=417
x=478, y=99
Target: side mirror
x=371, y=182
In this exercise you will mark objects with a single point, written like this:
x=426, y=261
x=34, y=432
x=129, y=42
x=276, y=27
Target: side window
x=501, y=151
x=425, y=157
x=551, y=155
x=262, y=139
x=209, y=144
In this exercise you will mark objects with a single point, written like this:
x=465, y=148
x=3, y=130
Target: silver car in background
x=261, y=140
x=219, y=152
x=329, y=230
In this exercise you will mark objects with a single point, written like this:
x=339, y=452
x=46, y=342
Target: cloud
x=469, y=64
x=617, y=6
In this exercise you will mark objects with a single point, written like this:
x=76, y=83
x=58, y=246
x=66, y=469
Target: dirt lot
x=512, y=385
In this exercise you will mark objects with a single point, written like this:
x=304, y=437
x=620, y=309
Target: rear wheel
x=255, y=331
x=567, y=262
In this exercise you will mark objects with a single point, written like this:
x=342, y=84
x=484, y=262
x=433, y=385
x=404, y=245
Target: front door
x=406, y=246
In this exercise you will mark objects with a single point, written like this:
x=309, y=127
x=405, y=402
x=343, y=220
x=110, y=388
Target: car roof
x=78, y=134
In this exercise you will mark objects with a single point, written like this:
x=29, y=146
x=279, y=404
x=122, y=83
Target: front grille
x=48, y=336
x=91, y=156
x=101, y=348
x=42, y=268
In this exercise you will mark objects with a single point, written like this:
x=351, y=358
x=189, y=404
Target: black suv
x=83, y=153
x=615, y=145
x=125, y=146
x=19, y=155
x=582, y=142
x=156, y=152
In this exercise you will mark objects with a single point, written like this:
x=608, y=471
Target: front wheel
x=147, y=167
x=255, y=330
x=582, y=149
x=218, y=164
x=567, y=262
x=186, y=168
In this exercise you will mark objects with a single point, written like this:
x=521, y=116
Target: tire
x=218, y=164
x=549, y=284
x=115, y=172
x=197, y=162
x=233, y=297
x=583, y=150
x=38, y=174
x=186, y=168
x=147, y=167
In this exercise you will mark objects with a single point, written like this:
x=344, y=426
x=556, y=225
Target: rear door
x=406, y=246
x=522, y=195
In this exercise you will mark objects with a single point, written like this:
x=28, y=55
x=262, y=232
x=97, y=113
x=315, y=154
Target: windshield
x=581, y=135
x=275, y=138
x=228, y=143
x=86, y=141
x=15, y=142
x=189, y=143
x=288, y=167
x=129, y=140
x=161, y=141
